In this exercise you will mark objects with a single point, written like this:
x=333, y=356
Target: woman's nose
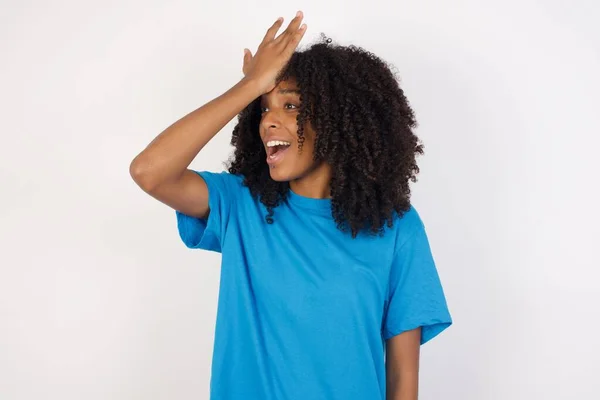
x=270, y=119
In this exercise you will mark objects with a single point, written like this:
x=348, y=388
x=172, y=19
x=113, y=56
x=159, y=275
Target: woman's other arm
x=402, y=365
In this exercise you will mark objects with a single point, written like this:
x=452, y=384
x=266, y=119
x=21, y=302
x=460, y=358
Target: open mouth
x=276, y=150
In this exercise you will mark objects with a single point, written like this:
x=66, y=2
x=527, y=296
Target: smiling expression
x=279, y=134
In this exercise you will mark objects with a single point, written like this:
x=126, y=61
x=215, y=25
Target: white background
x=100, y=300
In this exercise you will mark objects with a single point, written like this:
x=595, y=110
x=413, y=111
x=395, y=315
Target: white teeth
x=273, y=143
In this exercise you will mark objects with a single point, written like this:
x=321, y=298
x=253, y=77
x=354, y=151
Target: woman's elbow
x=141, y=173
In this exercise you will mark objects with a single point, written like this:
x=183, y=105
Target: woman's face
x=279, y=134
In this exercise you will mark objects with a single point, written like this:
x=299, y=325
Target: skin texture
x=351, y=140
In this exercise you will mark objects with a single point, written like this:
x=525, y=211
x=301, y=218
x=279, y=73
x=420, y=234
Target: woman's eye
x=287, y=106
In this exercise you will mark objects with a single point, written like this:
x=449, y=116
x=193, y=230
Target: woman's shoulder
x=224, y=176
x=406, y=224
x=225, y=185
x=222, y=180
x=409, y=218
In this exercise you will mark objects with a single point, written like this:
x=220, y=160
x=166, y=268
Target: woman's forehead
x=285, y=87
x=287, y=84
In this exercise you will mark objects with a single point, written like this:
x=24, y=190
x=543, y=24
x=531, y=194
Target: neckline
x=322, y=206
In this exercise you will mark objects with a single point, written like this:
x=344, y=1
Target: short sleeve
x=415, y=294
x=208, y=233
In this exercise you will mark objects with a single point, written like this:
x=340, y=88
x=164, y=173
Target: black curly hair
x=364, y=130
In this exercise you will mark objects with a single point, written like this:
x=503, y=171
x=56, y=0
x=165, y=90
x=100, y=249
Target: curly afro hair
x=364, y=130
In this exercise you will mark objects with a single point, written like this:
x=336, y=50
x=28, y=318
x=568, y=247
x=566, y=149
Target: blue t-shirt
x=304, y=309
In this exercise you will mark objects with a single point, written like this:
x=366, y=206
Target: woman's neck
x=315, y=184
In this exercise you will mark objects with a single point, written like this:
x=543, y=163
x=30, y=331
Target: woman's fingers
x=273, y=53
x=247, y=59
x=291, y=29
x=272, y=31
x=295, y=39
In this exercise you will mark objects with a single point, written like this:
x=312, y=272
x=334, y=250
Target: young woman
x=328, y=285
